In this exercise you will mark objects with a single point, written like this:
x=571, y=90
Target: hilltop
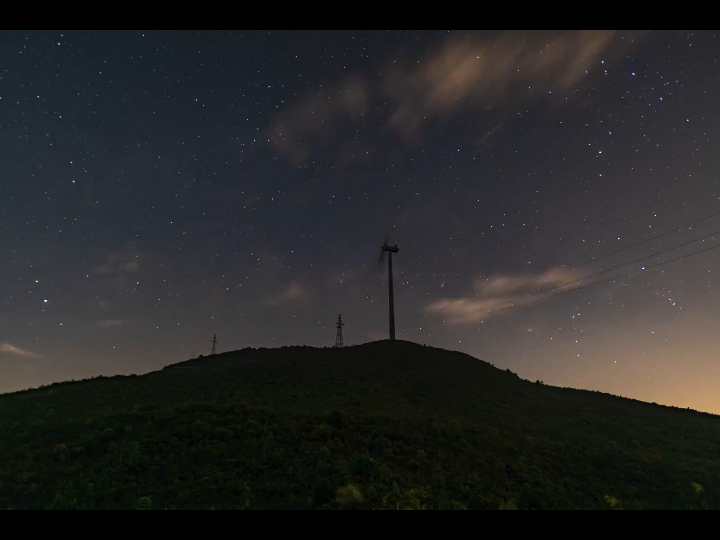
x=381, y=425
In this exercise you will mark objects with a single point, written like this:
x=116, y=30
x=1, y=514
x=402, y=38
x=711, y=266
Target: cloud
x=469, y=310
x=9, y=348
x=502, y=293
x=119, y=264
x=316, y=114
x=505, y=284
x=292, y=292
x=468, y=72
x=108, y=323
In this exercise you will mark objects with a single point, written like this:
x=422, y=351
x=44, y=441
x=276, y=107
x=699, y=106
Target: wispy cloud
x=469, y=72
x=504, y=292
x=528, y=283
x=108, y=323
x=10, y=349
x=119, y=264
x=293, y=292
x=318, y=113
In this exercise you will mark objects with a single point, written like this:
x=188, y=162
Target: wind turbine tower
x=385, y=248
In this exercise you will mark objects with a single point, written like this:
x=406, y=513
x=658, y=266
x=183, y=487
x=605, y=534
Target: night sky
x=157, y=188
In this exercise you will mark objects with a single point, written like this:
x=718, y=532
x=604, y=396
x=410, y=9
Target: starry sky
x=554, y=195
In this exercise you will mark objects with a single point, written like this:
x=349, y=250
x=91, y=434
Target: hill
x=382, y=425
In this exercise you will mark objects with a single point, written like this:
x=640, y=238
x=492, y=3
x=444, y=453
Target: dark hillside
x=381, y=425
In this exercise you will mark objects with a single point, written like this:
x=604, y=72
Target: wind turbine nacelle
x=391, y=249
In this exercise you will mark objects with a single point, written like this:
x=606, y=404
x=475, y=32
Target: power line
x=644, y=269
x=638, y=209
x=614, y=267
x=594, y=282
x=511, y=303
x=676, y=229
x=620, y=250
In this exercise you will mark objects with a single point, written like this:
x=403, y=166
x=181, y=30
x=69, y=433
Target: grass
x=386, y=425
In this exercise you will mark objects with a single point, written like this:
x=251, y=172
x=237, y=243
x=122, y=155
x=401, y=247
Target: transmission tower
x=214, y=342
x=339, y=335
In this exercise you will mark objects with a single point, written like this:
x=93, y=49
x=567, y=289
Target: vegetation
x=386, y=425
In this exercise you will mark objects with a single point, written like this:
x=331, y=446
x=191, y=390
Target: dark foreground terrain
x=385, y=425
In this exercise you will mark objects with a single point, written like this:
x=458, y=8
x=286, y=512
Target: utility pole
x=214, y=342
x=339, y=335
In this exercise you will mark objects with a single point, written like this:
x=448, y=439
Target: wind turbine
x=385, y=248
